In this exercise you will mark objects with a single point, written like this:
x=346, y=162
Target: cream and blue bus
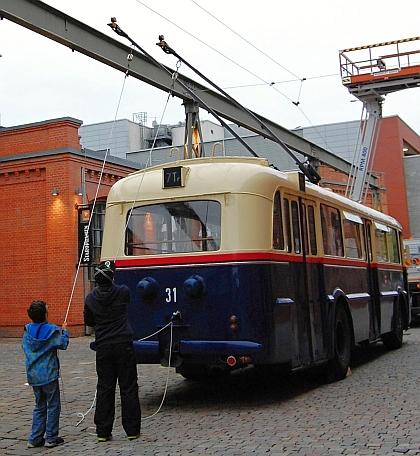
x=231, y=263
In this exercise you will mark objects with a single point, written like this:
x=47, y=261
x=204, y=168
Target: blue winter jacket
x=40, y=343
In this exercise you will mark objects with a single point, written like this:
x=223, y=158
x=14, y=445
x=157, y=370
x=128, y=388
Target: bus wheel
x=393, y=340
x=338, y=367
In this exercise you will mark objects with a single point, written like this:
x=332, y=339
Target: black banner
x=85, y=250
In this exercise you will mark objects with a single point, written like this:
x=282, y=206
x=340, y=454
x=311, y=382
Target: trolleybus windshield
x=173, y=227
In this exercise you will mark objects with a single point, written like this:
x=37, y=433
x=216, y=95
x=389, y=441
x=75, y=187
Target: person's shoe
x=105, y=439
x=36, y=445
x=133, y=437
x=57, y=441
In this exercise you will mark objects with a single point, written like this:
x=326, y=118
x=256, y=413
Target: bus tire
x=338, y=367
x=393, y=340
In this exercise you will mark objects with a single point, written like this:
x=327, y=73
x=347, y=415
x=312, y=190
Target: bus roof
x=221, y=175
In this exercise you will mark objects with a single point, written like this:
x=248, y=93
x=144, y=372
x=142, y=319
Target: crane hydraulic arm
x=58, y=26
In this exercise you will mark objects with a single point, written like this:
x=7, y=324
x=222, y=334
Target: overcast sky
x=264, y=41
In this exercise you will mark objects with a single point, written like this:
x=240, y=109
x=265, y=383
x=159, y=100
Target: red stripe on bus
x=247, y=256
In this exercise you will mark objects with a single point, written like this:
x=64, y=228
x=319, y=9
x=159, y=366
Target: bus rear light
x=231, y=360
x=244, y=359
x=233, y=323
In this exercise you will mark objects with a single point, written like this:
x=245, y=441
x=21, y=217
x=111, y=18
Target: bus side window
x=331, y=231
x=381, y=246
x=352, y=239
x=278, y=238
x=287, y=224
x=312, y=233
x=394, y=253
x=295, y=227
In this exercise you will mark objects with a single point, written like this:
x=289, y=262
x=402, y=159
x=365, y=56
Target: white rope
x=167, y=379
x=94, y=201
x=82, y=416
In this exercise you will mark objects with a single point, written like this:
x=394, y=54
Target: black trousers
x=117, y=363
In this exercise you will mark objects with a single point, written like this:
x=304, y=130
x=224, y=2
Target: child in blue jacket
x=40, y=343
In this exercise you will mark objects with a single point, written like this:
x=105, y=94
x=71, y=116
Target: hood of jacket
x=38, y=334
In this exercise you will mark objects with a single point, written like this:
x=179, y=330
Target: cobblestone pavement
x=375, y=411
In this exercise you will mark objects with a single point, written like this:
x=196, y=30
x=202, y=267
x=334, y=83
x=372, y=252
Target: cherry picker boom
x=369, y=76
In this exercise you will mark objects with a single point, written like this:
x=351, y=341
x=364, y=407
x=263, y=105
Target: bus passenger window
x=287, y=224
x=381, y=246
x=353, y=235
x=331, y=231
x=394, y=253
x=278, y=238
x=312, y=233
x=295, y=226
x=352, y=239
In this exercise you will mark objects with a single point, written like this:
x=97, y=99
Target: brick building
x=39, y=236
x=396, y=162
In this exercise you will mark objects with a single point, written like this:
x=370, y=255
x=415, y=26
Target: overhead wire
x=244, y=39
x=211, y=47
x=244, y=86
x=301, y=80
x=117, y=29
x=264, y=82
x=310, y=173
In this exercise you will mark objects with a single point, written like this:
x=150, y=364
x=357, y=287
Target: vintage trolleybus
x=243, y=264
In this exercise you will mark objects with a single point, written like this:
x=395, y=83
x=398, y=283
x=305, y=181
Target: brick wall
x=389, y=159
x=40, y=231
x=56, y=134
x=337, y=181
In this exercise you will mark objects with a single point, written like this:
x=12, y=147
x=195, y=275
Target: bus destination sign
x=174, y=177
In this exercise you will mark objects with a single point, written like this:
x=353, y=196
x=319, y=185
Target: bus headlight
x=147, y=288
x=194, y=287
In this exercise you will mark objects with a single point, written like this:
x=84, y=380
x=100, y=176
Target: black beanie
x=104, y=273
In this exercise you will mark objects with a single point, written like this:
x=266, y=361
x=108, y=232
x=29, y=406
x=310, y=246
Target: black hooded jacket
x=106, y=311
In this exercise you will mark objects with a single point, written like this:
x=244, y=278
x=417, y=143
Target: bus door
x=312, y=267
x=306, y=318
x=374, y=310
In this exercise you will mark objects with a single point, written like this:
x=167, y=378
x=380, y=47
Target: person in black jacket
x=106, y=311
